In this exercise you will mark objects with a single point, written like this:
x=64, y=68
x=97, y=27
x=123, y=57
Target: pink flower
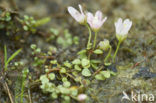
x=96, y=21
x=82, y=97
x=78, y=16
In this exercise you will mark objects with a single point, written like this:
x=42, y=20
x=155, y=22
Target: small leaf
x=66, y=84
x=51, y=76
x=67, y=64
x=25, y=28
x=42, y=21
x=64, y=90
x=86, y=72
x=94, y=66
x=53, y=61
x=11, y=57
x=76, y=67
x=44, y=79
x=106, y=74
x=76, y=61
x=63, y=70
x=54, y=31
x=99, y=77
x=98, y=51
x=85, y=63
x=82, y=56
x=82, y=52
x=64, y=79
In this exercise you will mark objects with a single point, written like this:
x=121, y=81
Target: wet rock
x=144, y=72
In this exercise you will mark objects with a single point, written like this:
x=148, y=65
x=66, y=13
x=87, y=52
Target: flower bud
x=104, y=45
x=82, y=97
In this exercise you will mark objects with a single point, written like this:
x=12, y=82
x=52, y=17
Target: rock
x=145, y=73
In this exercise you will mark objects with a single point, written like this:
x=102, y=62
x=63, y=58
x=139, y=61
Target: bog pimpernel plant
x=85, y=66
x=94, y=23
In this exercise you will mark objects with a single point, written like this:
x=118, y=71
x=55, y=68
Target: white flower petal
x=104, y=20
x=78, y=16
x=80, y=7
x=127, y=25
x=74, y=13
x=118, y=26
x=90, y=17
x=96, y=21
x=98, y=14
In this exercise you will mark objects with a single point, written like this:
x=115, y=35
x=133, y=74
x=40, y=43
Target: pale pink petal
x=74, y=13
x=96, y=26
x=96, y=21
x=90, y=17
x=98, y=14
x=80, y=7
x=102, y=22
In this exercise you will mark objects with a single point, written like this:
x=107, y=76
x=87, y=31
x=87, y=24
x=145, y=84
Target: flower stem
x=90, y=36
x=95, y=40
x=116, y=50
x=108, y=55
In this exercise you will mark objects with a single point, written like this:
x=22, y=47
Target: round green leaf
x=51, y=76
x=44, y=79
x=85, y=63
x=66, y=84
x=63, y=70
x=86, y=72
x=76, y=61
x=64, y=79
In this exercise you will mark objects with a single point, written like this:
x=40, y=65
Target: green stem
x=116, y=50
x=5, y=58
x=90, y=36
x=95, y=40
x=108, y=55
